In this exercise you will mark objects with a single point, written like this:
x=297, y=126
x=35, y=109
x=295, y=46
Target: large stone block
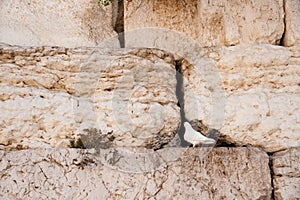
x=250, y=93
x=50, y=95
x=224, y=173
x=286, y=168
x=292, y=21
x=55, y=23
x=209, y=23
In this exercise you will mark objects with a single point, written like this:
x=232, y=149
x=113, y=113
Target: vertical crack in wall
x=180, y=98
x=119, y=21
x=281, y=43
x=272, y=175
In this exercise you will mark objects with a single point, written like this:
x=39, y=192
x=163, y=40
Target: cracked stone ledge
x=72, y=173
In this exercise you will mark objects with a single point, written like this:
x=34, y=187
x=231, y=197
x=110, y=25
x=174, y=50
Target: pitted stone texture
x=286, y=168
x=140, y=99
x=224, y=173
x=250, y=93
x=292, y=21
x=34, y=118
x=213, y=22
x=50, y=95
x=55, y=23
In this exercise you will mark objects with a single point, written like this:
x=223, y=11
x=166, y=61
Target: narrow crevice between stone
x=180, y=98
x=222, y=143
x=272, y=175
x=281, y=42
x=119, y=22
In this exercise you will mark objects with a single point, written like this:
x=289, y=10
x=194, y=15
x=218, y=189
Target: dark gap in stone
x=78, y=144
x=119, y=23
x=180, y=98
x=224, y=144
x=281, y=42
x=162, y=145
x=220, y=139
x=272, y=175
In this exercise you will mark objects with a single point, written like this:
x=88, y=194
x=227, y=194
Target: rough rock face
x=213, y=22
x=55, y=23
x=59, y=92
x=50, y=95
x=250, y=92
x=258, y=100
x=239, y=173
x=234, y=79
x=292, y=21
x=286, y=168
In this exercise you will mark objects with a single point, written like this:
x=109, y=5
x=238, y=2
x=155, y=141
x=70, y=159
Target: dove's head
x=186, y=124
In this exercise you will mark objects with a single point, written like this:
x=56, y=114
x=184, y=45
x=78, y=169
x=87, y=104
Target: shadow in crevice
x=180, y=98
x=271, y=174
x=119, y=21
x=281, y=41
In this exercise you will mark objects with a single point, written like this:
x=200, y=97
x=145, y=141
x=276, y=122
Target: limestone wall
x=55, y=23
x=258, y=100
x=239, y=63
x=61, y=92
x=226, y=173
x=51, y=95
x=209, y=23
x=292, y=19
x=214, y=22
x=286, y=167
x=240, y=173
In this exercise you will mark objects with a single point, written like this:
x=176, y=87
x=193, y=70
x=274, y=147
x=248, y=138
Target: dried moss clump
x=77, y=144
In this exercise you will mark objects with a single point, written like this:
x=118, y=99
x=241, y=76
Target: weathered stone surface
x=224, y=173
x=209, y=23
x=49, y=95
x=286, y=168
x=292, y=21
x=249, y=92
x=55, y=23
x=33, y=117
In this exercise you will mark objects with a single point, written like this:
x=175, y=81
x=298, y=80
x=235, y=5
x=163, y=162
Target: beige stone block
x=51, y=95
x=292, y=21
x=286, y=176
x=55, y=23
x=209, y=23
x=248, y=92
x=223, y=173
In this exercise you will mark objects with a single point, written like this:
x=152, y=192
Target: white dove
x=194, y=137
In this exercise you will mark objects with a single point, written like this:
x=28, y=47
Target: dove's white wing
x=193, y=136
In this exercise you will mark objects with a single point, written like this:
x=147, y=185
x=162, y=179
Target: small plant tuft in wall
x=104, y=2
x=76, y=144
x=93, y=138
